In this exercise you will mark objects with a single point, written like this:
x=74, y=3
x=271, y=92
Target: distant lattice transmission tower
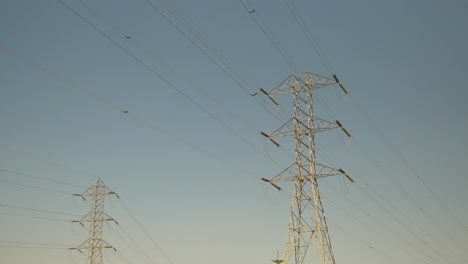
x=307, y=225
x=95, y=220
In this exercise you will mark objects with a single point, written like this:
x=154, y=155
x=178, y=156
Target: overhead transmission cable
x=361, y=110
x=213, y=48
x=18, y=244
x=408, y=195
x=127, y=112
x=209, y=47
x=35, y=187
x=363, y=242
x=280, y=48
x=40, y=178
x=406, y=162
x=271, y=37
x=36, y=210
x=317, y=48
x=138, y=223
x=326, y=108
x=305, y=29
x=132, y=244
x=397, y=220
x=36, y=217
x=114, y=26
x=355, y=237
x=381, y=225
x=172, y=68
x=33, y=157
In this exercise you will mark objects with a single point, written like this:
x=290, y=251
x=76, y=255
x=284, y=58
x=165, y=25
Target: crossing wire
x=287, y=58
x=36, y=210
x=214, y=51
x=281, y=49
x=116, y=106
x=41, y=178
x=408, y=195
x=308, y=33
x=296, y=13
x=35, y=187
x=32, y=244
x=138, y=223
x=134, y=245
x=227, y=127
x=172, y=68
x=405, y=161
x=36, y=217
x=288, y=195
x=381, y=225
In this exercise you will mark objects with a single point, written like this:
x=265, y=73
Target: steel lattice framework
x=95, y=220
x=307, y=224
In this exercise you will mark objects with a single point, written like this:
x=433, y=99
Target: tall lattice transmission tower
x=307, y=224
x=95, y=220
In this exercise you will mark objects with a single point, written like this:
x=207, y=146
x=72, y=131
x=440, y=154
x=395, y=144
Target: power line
x=319, y=99
x=305, y=29
x=281, y=50
x=35, y=187
x=29, y=243
x=409, y=252
x=37, y=217
x=32, y=247
x=271, y=37
x=406, y=193
x=41, y=178
x=133, y=245
x=405, y=161
x=160, y=77
x=223, y=124
x=293, y=9
x=36, y=210
x=211, y=47
x=128, y=113
x=135, y=219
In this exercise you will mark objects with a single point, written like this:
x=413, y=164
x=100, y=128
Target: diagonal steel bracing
x=307, y=224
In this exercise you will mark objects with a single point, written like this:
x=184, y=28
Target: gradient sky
x=187, y=158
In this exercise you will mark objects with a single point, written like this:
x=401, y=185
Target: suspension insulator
x=347, y=175
x=343, y=128
x=340, y=84
x=276, y=186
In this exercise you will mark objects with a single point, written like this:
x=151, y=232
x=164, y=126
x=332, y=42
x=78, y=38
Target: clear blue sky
x=189, y=165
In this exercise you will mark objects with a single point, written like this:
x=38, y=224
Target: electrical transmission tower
x=95, y=219
x=307, y=224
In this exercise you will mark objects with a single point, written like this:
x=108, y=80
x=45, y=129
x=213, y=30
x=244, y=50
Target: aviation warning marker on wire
x=307, y=225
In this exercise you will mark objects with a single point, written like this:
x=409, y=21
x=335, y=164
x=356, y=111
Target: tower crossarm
x=321, y=171
x=290, y=128
x=90, y=244
x=98, y=189
x=305, y=80
x=94, y=216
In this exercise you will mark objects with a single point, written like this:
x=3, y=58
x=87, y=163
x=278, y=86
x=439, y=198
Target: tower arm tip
x=340, y=84
x=263, y=91
x=269, y=96
x=272, y=183
x=268, y=136
x=80, y=195
x=343, y=128
x=276, y=186
x=346, y=175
